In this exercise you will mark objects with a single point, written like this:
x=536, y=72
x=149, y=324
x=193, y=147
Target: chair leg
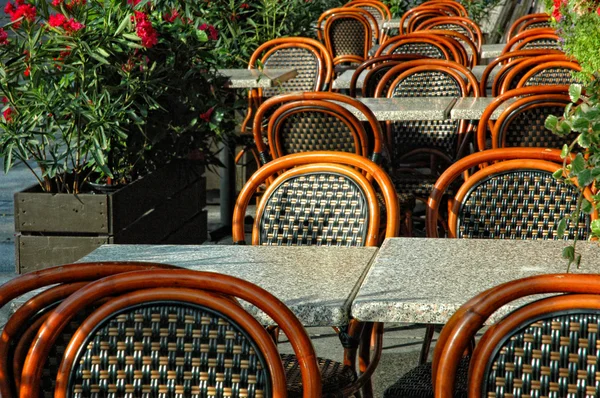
x=426, y=344
x=364, y=359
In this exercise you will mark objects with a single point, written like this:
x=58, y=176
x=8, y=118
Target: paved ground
x=401, y=342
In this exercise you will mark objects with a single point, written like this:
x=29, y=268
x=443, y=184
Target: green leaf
x=578, y=164
x=124, y=23
x=565, y=151
x=551, y=122
x=561, y=228
x=595, y=226
x=131, y=36
x=558, y=174
x=585, y=178
x=99, y=58
x=569, y=253
x=580, y=124
x=575, y=92
x=586, y=206
x=584, y=140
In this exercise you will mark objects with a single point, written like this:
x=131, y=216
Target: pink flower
x=3, y=37
x=212, y=33
x=144, y=30
x=8, y=114
x=56, y=20
x=207, y=115
x=72, y=25
x=57, y=3
x=25, y=11
x=27, y=72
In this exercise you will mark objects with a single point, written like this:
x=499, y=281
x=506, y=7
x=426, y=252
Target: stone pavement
x=402, y=343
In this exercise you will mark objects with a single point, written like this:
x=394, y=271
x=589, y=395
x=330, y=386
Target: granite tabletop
x=317, y=283
x=491, y=50
x=424, y=280
x=393, y=23
x=343, y=80
x=418, y=108
x=472, y=108
x=253, y=78
x=478, y=72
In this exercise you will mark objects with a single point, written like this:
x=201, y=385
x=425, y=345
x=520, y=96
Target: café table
x=491, y=50
x=472, y=108
x=239, y=79
x=425, y=280
x=414, y=108
x=317, y=283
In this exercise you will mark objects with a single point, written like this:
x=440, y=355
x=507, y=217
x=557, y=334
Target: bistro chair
x=504, y=60
x=459, y=9
x=427, y=44
x=325, y=199
x=309, y=57
x=378, y=10
x=466, y=47
x=21, y=328
x=307, y=122
x=543, y=348
x=172, y=333
x=423, y=12
x=526, y=22
x=543, y=70
x=491, y=204
x=377, y=67
x=348, y=34
x=461, y=25
x=545, y=38
x=522, y=122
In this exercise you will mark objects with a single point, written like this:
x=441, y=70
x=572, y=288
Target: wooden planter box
x=165, y=207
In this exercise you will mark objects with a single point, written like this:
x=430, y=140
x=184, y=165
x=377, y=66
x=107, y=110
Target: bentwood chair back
x=422, y=13
x=378, y=10
x=545, y=38
x=526, y=22
x=504, y=60
x=522, y=122
x=469, y=55
x=430, y=44
x=171, y=333
x=515, y=198
x=461, y=25
x=459, y=9
x=307, y=122
x=543, y=348
x=21, y=328
x=348, y=34
x=544, y=70
x=309, y=57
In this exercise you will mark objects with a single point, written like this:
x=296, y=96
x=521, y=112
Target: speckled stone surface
x=491, y=50
x=478, y=72
x=373, y=49
x=420, y=280
x=429, y=108
x=393, y=23
x=253, y=78
x=343, y=80
x=473, y=108
x=317, y=283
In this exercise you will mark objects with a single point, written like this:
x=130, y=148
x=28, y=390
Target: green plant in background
x=107, y=89
x=479, y=10
x=578, y=25
x=245, y=25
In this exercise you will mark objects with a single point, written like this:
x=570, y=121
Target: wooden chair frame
x=186, y=285
x=462, y=326
x=373, y=63
x=574, y=66
x=382, y=9
x=519, y=24
x=301, y=99
x=452, y=50
x=376, y=3
x=485, y=120
x=265, y=50
x=462, y=11
x=315, y=160
x=516, y=43
x=352, y=58
x=480, y=158
x=506, y=59
x=475, y=32
x=344, y=10
x=442, y=10
x=461, y=42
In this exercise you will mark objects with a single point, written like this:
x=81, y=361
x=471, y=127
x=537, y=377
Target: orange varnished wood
x=373, y=63
x=432, y=10
x=526, y=67
x=461, y=42
x=352, y=58
x=116, y=285
x=474, y=31
x=516, y=43
x=456, y=335
x=371, y=169
x=518, y=25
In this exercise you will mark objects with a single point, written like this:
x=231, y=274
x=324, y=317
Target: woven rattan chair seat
x=415, y=184
x=334, y=375
x=416, y=383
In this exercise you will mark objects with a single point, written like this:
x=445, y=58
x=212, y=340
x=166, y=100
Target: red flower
x=8, y=114
x=4, y=100
x=3, y=37
x=207, y=115
x=57, y=3
x=72, y=25
x=212, y=33
x=171, y=17
x=56, y=20
x=245, y=6
x=133, y=3
x=598, y=11
x=25, y=11
x=27, y=72
x=144, y=30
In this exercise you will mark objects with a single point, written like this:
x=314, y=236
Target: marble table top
x=421, y=280
x=317, y=283
x=478, y=72
x=343, y=80
x=254, y=78
x=473, y=108
x=491, y=50
x=417, y=108
x=393, y=23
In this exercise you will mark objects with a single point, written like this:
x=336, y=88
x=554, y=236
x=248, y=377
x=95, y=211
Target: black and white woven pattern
x=535, y=25
x=312, y=130
x=347, y=36
x=525, y=127
x=543, y=44
x=169, y=350
x=315, y=209
x=301, y=59
x=556, y=356
x=426, y=49
x=551, y=76
x=522, y=204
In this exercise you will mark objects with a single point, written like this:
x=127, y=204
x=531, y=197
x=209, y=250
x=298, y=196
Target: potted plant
x=577, y=22
x=108, y=91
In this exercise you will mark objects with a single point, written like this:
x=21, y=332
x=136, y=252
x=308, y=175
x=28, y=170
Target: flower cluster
x=144, y=29
x=69, y=25
x=212, y=32
x=19, y=12
x=3, y=37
